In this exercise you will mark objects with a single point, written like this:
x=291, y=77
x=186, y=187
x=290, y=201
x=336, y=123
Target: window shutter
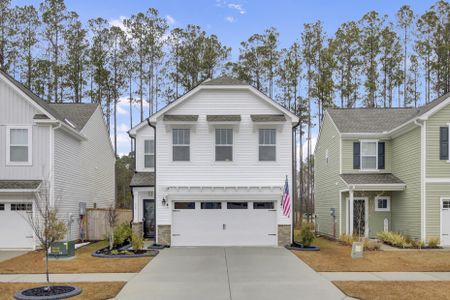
x=356, y=155
x=381, y=155
x=443, y=143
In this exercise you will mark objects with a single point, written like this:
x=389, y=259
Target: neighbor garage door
x=231, y=223
x=15, y=232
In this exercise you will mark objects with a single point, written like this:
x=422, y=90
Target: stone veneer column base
x=164, y=234
x=284, y=235
x=138, y=229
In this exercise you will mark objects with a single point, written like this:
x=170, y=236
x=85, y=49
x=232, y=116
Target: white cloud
x=237, y=7
x=118, y=22
x=170, y=20
x=230, y=19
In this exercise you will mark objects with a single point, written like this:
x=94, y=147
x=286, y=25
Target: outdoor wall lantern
x=164, y=202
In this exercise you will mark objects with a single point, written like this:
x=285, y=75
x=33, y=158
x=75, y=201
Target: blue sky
x=234, y=21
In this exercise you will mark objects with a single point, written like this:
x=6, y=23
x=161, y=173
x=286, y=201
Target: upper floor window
x=19, y=145
x=224, y=144
x=181, y=140
x=267, y=145
x=149, y=153
x=369, y=155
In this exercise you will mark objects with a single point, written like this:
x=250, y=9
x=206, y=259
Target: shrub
x=394, y=239
x=371, y=245
x=122, y=234
x=136, y=242
x=346, y=239
x=433, y=242
x=306, y=234
x=418, y=244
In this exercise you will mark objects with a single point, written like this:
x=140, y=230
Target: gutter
x=154, y=174
x=294, y=178
x=134, y=170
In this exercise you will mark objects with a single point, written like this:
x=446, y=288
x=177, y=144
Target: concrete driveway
x=228, y=274
x=5, y=255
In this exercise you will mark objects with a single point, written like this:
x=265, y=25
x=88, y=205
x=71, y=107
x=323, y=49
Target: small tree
x=44, y=222
x=112, y=220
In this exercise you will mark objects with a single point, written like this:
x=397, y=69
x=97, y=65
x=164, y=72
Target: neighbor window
x=369, y=155
x=21, y=206
x=224, y=144
x=383, y=203
x=267, y=145
x=149, y=154
x=181, y=140
x=184, y=205
x=19, y=144
x=2, y=206
x=445, y=203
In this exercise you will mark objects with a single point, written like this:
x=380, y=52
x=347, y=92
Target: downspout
x=294, y=177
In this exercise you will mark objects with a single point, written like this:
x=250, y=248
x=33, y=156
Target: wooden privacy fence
x=96, y=222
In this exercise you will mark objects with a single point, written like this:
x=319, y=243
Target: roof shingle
x=224, y=80
x=76, y=113
x=378, y=178
x=19, y=184
x=143, y=179
x=268, y=118
x=181, y=118
x=223, y=118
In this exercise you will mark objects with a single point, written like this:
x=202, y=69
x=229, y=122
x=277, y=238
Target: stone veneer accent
x=284, y=235
x=164, y=234
x=138, y=229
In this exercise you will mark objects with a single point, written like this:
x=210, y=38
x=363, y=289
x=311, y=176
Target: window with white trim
x=383, y=203
x=224, y=144
x=149, y=153
x=368, y=155
x=19, y=145
x=181, y=140
x=445, y=203
x=267, y=144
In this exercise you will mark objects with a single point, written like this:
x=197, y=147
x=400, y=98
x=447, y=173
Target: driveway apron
x=232, y=273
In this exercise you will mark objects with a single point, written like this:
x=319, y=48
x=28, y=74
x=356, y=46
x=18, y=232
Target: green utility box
x=62, y=249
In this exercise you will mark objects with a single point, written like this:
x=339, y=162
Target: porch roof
x=373, y=182
x=19, y=185
x=143, y=179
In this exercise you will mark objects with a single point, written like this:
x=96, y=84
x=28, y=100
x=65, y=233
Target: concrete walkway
x=386, y=276
x=236, y=273
x=81, y=277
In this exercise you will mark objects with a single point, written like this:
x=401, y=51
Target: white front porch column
x=351, y=212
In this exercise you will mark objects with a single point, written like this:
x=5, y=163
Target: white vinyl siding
x=181, y=144
x=19, y=145
x=149, y=154
x=267, y=145
x=224, y=144
x=369, y=155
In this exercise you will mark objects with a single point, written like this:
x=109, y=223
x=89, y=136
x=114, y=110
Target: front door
x=149, y=218
x=445, y=222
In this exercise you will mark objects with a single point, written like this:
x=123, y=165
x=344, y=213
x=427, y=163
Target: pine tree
x=8, y=51
x=413, y=81
x=405, y=18
x=27, y=22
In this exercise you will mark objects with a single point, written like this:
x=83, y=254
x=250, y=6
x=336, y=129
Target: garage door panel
x=15, y=232
x=224, y=227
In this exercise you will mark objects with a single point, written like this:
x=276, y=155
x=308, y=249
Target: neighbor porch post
x=351, y=212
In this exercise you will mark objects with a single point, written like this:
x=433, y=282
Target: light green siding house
x=384, y=169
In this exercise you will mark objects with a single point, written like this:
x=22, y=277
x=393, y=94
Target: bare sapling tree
x=111, y=218
x=44, y=222
x=359, y=219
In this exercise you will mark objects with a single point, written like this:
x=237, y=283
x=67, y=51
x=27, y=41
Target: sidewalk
x=81, y=277
x=386, y=276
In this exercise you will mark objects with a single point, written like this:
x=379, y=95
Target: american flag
x=286, y=200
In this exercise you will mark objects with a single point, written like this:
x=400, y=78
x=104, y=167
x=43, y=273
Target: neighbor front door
x=149, y=218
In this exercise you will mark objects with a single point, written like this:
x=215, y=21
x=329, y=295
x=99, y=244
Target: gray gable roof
x=143, y=179
x=19, y=184
x=76, y=113
x=377, y=120
x=224, y=80
x=378, y=178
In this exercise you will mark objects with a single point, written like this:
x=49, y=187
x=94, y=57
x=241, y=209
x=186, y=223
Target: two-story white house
x=223, y=152
x=64, y=147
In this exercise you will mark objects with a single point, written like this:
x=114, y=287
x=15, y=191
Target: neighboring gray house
x=385, y=169
x=66, y=145
x=223, y=153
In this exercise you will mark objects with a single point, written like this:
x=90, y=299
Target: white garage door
x=232, y=223
x=15, y=232
x=445, y=222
